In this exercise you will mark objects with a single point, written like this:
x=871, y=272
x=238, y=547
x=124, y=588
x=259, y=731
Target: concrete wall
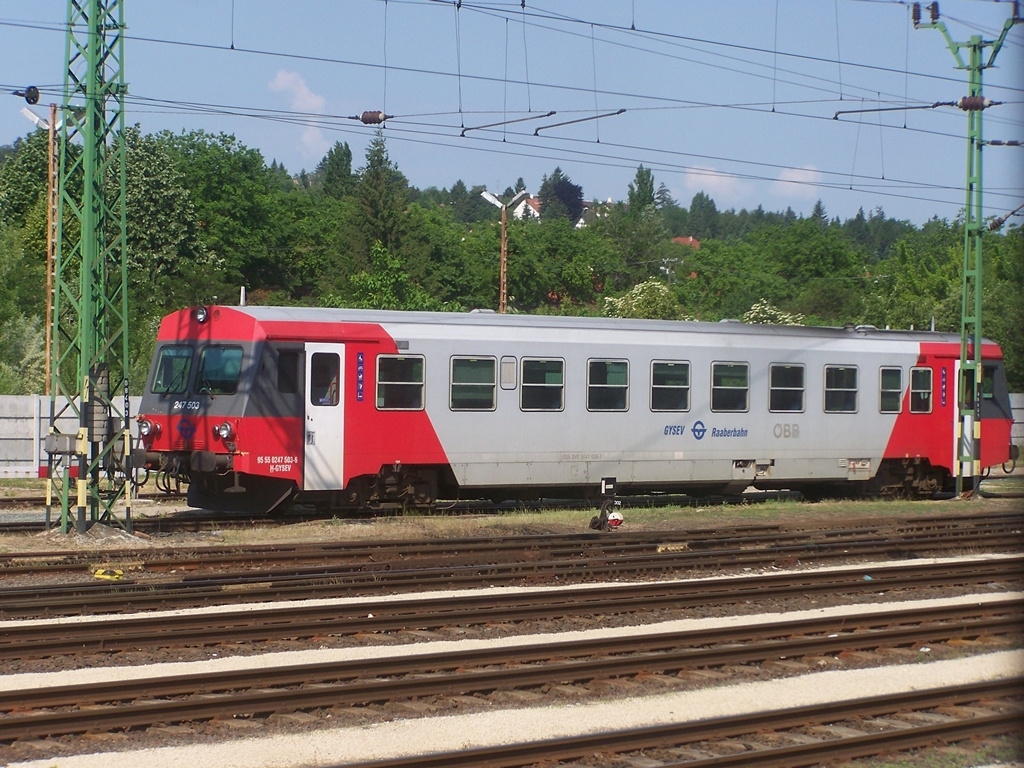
x=24, y=422
x=1017, y=436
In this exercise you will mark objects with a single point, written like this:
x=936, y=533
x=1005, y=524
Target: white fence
x=24, y=422
x=1017, y=436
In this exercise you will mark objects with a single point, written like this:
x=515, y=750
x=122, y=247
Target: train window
x=219, y=369
x=786, y=388
x=670, y=386
x=288, y=372
x=607, y=385
x=890, y=390
x=921, y=390
x=400, y=382
x=730, y=387
x=543, y=385
x=473, y=383
x=988, y=384
x=324, y=368
x=840, y=389
x=172, y=369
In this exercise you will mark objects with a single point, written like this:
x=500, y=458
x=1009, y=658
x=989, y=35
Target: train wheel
x=1009, y=466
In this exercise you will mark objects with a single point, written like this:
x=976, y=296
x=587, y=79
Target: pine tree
x=382, y=193
x=335, y=171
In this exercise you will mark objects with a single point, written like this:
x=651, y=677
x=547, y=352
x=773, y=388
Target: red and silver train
x=259, y=407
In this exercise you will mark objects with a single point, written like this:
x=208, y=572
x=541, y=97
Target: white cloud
x=799, y=183
x=723, y=188
x=313, y=142
x=292, y=83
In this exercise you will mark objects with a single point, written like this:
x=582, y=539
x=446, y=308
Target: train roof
x=487, y=318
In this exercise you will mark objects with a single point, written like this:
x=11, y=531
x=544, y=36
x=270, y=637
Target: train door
x=325, y=418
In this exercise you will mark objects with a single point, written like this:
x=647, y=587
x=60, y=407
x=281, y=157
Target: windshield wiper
x=179, y=378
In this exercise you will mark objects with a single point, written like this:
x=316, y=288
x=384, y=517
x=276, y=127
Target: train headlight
x=225, y=431
x=147, y=428
x=201, y=314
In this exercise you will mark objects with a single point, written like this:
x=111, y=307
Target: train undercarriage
x=409, y=487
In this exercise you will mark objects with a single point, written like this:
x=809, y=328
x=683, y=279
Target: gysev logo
x=699, y=430
x=187, y=429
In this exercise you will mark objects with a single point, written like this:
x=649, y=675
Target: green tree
x=232, y=193
x=279, y=178
x=764, y=312
x=22, y=356
x=883, y=233
x=23, y=177
x=386, y=285
x=326, y=246
x=702, y=221
x=649, y=299
x=910, y=287
x=1003, y=301
x=334, y=172
x=824, y=273
x=382, y=194
x=818, y=215
x=639, y=238
x=641, y=191
x=557, y=266
x=449, y=261
x=468, y=206
x=169, y=266
x=22, y=277
x=856, y=230
x=560, y=198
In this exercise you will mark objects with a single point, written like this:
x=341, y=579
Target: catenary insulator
x=374, y=118
x=973, y=103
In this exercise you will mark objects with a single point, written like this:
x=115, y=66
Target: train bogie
x=259, y=407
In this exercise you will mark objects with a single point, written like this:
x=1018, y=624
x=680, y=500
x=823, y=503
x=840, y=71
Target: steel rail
x=919, y=531
x=675, y=735
x=339, y=684
x=38, y=640
x=997, y=614
x=570, y=562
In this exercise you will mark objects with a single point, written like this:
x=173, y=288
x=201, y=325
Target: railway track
x=340, y=569
x=910, y=721
x=323, y=620
x=143, y=702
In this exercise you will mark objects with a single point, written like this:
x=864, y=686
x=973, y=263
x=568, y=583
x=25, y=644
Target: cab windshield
x=172, y=370
x=219, y=369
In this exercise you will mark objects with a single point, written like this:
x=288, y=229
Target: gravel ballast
x=440, y=734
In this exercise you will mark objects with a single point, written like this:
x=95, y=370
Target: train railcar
x=259, y=407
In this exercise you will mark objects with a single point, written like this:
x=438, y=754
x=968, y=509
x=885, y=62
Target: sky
x=734, y=98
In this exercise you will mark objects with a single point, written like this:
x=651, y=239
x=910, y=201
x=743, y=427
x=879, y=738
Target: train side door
x=325, y=418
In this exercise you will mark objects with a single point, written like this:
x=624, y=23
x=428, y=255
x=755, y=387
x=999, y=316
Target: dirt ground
x=1002, y=494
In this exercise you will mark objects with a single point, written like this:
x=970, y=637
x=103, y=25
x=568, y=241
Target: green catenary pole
x=970, y=383
x=88, y=470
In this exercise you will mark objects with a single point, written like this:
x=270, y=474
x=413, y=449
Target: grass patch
x=1003, y=750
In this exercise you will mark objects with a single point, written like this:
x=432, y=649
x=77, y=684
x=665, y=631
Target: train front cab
x=289, y=434
x=206, y=407
x=996, y=416
x=921, y=455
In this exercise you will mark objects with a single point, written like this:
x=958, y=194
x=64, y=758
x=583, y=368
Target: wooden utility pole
x=503, y=269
